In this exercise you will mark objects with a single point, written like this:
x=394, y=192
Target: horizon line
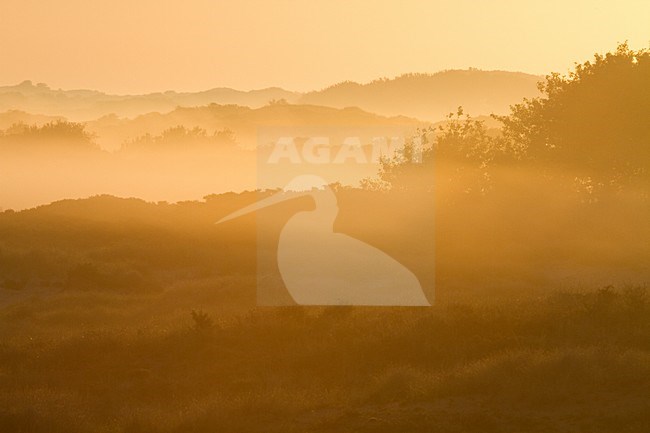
x=36, y=83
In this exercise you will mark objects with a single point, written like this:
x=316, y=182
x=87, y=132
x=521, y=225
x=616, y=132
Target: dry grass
x=572, y=361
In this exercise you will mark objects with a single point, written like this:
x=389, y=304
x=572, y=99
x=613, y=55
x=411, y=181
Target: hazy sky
x=131, y=46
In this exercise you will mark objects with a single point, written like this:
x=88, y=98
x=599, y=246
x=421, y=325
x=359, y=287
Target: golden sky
x=131, y=46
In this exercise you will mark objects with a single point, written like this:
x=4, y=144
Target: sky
x=131, y=46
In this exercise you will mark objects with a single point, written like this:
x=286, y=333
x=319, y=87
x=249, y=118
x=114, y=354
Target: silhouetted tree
x=462, y=144
x=593, y=121
x=180, y=137
x=63, y=134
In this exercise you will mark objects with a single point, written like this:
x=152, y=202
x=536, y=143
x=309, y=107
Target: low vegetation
x=569, y=361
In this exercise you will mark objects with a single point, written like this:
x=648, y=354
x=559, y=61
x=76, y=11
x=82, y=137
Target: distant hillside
x=432, y=96
x=424, y=96
x=183, y=154
x=89, y=104
x=111, y=131
x=12, y=117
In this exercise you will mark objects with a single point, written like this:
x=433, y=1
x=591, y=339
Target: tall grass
x=570, y=361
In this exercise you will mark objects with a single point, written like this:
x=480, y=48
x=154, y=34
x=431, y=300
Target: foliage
x=70, y=134
x=180, y=138
x=202, y=321
x=589, y=130
x=278, y=102
x=593, y=121
x=461, y=143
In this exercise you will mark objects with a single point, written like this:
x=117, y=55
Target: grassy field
x=92, y=362
x=125, y=316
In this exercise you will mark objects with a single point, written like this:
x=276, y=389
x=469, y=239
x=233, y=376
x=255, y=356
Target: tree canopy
x=594, y=120
x=591, y=125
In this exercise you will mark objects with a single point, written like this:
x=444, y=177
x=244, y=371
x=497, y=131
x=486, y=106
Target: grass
x=118, y=315
x=570, y=361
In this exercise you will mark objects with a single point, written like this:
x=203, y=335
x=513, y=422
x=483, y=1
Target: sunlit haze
x=122, y=46
x=320, y=216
